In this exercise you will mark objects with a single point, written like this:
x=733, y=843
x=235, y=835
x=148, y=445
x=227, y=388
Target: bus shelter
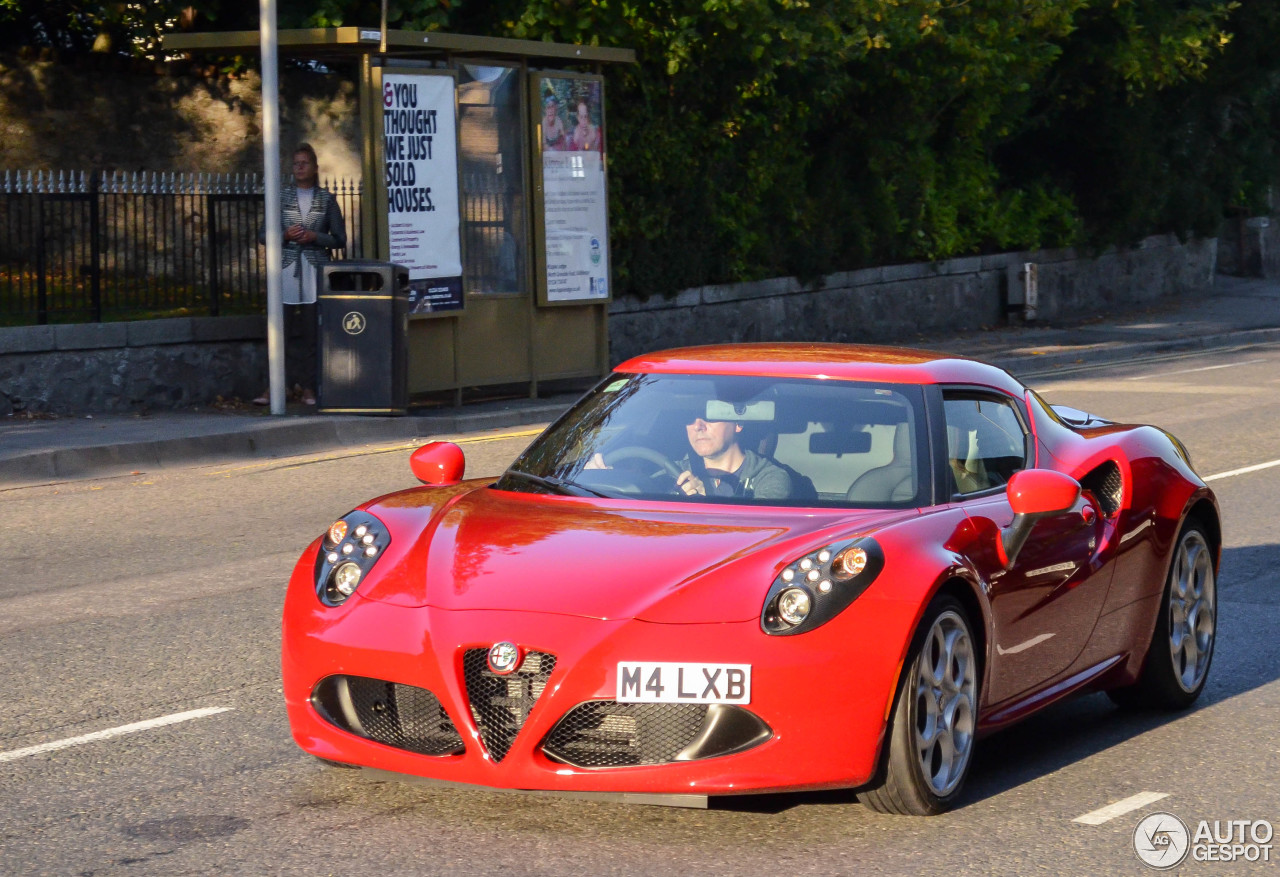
x=485, y=174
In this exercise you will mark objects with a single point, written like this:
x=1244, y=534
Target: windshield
x=734, y=439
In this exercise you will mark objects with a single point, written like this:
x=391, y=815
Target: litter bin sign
x=364, y=319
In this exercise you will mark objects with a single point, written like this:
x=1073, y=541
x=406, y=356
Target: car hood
x=607, y=559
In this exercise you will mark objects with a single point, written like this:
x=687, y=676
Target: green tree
x=766, y=137
x=758, y=138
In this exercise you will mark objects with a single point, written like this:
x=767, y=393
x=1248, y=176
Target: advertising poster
x=574, y=194
x=420, y=153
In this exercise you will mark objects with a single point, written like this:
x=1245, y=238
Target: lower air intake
x=604, y=733
x=389, y=713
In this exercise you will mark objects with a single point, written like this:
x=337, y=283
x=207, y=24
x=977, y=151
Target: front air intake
x=500, y=705
x=605, y=733
x=389, y=713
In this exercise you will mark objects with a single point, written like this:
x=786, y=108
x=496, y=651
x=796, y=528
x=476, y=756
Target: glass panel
x=734, y=439
x=985, y=443
x=490, y=126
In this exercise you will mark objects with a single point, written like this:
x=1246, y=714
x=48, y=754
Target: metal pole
x=275, y=232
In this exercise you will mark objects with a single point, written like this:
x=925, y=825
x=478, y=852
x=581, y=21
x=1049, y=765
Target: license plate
x=669, y=682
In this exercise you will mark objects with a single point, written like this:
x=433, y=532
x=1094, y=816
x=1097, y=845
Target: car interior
x=860, y=452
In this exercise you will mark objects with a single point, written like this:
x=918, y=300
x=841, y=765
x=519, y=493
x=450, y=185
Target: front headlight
x=350, y=549
x=817, y=587
x=794, y=605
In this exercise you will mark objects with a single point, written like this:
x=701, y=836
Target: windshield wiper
x=555, y=485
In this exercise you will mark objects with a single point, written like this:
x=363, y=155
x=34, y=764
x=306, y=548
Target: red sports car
x=757, y=568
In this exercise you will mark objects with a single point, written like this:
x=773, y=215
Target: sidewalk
x=1238, y=312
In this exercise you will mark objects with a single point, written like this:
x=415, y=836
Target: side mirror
x=438, y=463
x=1034, y=494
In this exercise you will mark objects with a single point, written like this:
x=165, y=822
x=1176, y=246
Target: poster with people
x=575, y=223
x=420, y=161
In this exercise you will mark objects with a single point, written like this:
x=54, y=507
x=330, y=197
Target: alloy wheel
x=1192, y=610
x=946, y=694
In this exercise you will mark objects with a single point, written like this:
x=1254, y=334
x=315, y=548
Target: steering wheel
x=636, y=452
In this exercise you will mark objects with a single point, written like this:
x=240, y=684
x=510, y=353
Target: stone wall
x=900, y=302
x=128, y=367
x=119, y=367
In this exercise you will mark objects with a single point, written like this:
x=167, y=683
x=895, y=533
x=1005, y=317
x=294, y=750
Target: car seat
x=892, y=482
x=765, y=443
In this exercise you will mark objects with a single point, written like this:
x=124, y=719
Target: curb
x=1087, y=356
x=312, y=435
x=257, y=440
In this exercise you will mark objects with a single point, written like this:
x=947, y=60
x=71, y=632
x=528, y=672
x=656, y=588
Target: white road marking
x=1187, y=371
x=1119, y=808
x=1244, y=471
x=160, y=722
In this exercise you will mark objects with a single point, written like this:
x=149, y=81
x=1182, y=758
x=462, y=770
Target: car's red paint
x=1041, y=491
x=596, y=581
x=438, y=463
x=895, y=365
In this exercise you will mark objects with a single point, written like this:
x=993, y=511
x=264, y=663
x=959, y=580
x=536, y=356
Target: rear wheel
x=931, y=737
x=1186, y=630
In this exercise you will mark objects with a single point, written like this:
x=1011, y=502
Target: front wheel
x=1182, y=646
x=931, y=737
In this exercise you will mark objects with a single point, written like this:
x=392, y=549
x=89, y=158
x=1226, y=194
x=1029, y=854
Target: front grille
x=501, y=704
x=608, y=734
x=389, y=713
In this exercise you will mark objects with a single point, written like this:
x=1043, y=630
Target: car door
x=1046, y=604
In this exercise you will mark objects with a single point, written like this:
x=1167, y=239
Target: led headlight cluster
x=349, y=550
x=812, y=590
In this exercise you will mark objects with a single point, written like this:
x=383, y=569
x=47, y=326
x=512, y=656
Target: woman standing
x=313, y=226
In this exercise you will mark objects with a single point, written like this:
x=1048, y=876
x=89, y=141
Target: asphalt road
x=134, y=599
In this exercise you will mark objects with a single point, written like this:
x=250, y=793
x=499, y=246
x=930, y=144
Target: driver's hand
x=691, y=484
x=596, y=462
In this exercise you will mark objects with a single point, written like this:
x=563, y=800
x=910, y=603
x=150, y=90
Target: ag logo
x=353, y=323
x=1161, y=841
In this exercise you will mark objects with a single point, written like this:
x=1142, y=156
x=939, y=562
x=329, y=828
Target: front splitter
x=693, y=802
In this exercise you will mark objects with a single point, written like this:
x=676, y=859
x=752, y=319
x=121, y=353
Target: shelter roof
x=355, y=41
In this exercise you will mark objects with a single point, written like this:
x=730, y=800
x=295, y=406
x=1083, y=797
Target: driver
x=724, y=468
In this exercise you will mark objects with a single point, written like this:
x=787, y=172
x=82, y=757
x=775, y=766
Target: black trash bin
x=364, y=318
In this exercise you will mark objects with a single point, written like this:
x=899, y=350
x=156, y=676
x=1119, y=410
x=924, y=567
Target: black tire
x=908, y=787
x=1175, y=670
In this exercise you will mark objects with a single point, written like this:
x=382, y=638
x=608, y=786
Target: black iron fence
x=80, y=247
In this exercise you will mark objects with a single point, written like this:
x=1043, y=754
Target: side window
x=986, y=442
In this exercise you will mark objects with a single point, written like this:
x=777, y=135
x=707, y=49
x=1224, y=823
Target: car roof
x=853, y=362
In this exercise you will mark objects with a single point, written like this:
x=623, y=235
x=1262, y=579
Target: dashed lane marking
x=1187, y=371
x=1120, y=808
x=14, y=754
x=1243, y=471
